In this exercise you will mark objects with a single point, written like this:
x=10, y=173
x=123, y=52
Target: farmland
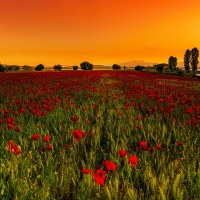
x=99, y=135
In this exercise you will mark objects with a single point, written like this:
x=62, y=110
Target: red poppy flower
x=100, y=177
x=158, y=147
x=147, y=149
x=122, y=153
x=133, y=160
x=74, y=118
x=47, y=138
x=86, y=171
x=77, y=134
x=143, y=144
x=67, y=145
x=35, y=137
x=17, y=129
x=9, y=120
x=180, y=143
x=11, y=126
x=22, y=110
x=110, y=166
x=48, y=147
x=139, y=118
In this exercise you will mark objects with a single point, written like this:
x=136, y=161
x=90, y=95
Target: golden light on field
x=101, y=32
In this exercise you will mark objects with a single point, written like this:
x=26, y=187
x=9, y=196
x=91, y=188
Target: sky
x=69, y=32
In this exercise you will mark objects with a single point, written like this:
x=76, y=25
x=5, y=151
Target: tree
x=160, y=67
x=172, y=63
x=75, y=67
x=57, y=67
x=2, y=68
x=117, y=67
x=86, y=66
x=12, y=67
x=187, y=60
x=27, y=68
x=194, y=59
x=39, y=67
x=139, y=68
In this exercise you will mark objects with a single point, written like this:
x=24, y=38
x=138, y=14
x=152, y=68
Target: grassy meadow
x=99, y=135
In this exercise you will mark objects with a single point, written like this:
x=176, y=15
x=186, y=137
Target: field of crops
x=99, y=135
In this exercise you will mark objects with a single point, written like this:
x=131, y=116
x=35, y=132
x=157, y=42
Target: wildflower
x=22, y=110
x=122, y=153
x=158, y=147
x=139, y=118
x=143, y=144
x=179, y=143
x=17, y=129
x=74, y=118
x=133, y=160
x=86, y=171
x=11, y=126
x=100, y=177
x=110, y=166
x=35, y=137
x=147, y=149
x=48, y=147
x=67, y=145
x=47, y=138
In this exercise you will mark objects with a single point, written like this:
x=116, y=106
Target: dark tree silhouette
x=139, y=68
x=57, y=67
x=75, y=67
x=194, y=59
x=117, y=67
x=187, y=59
x=172, y=63
x=39, y=67
x=86, y=66
x=2, y=68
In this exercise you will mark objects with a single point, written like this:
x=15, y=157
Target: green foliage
x=75, y=67
x=57, y=67
x=27, y=68
x=170, y=173
x=12, y=68
x=116, y=67
x=2, y=68
x=139, y=68
x=39, y=67
x=194, y=59
x=172, y=63
x=86, y=66
x=187, y=60
x=160, y=67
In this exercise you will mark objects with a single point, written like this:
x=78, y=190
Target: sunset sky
x=68, y=32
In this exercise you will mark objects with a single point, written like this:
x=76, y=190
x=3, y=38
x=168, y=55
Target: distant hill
x=144, y=63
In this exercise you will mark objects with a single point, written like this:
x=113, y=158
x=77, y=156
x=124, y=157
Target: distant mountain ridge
x=144, y=63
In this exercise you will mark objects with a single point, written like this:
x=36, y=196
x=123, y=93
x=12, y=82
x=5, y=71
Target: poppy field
x=99, y=135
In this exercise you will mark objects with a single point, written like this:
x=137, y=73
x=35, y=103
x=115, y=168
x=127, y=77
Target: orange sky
x=68, y=32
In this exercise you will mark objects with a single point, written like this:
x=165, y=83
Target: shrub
x=57, y=67
x=2, y=68
x=39, y=67
x=117, y=67
x=139, y=68
x=86, y=66
x=75, y=67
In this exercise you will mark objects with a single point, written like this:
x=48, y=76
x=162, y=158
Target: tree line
x=190, y=64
